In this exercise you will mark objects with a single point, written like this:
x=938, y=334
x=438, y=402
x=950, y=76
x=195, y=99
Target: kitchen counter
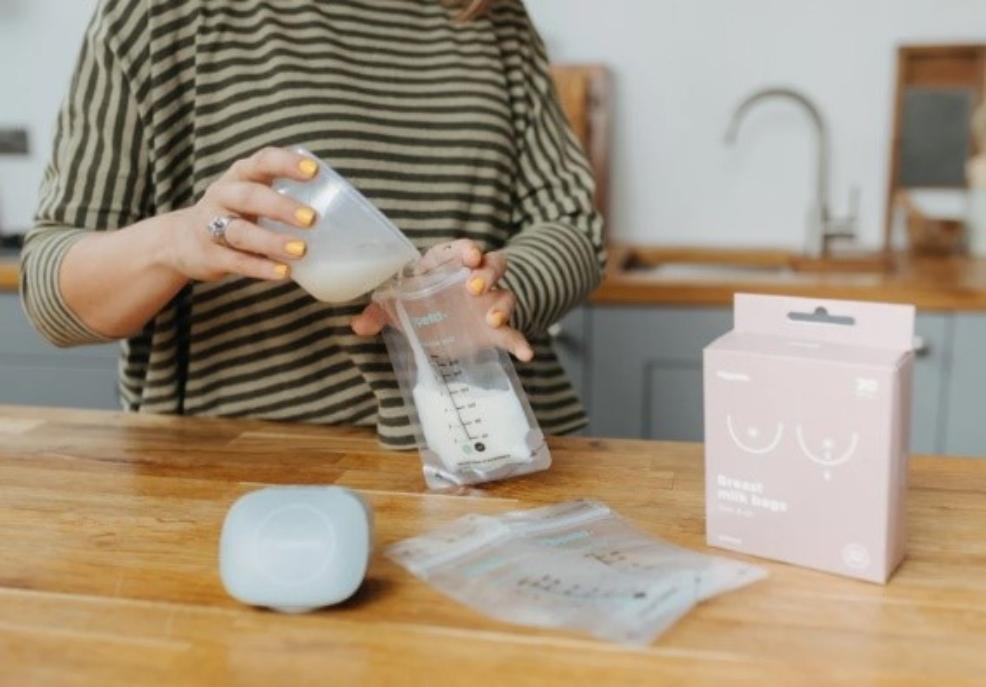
x=8, y=271
x=947, y=284
x=706, y=277
x=108, y=569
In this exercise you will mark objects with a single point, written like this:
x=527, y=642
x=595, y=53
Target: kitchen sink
x=714, y=272
x=725, y=264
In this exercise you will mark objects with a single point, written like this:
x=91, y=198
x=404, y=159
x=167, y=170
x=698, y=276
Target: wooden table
x=108, y=570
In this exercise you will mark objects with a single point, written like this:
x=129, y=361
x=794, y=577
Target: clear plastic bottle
x=352, y=247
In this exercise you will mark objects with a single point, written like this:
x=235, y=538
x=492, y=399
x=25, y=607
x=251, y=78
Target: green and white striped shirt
x=452, y=130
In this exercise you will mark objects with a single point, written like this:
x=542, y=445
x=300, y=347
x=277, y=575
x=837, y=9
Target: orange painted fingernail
x=305, y=216
x=282, y=271
x=308, y=167
x=497, y=319
x=477, y=285
x=295, y=248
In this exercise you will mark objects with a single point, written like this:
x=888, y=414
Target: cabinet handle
x=921, y=347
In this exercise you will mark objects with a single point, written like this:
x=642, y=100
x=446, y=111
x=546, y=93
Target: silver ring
x=217, y=229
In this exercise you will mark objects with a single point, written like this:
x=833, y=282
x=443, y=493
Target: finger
x=501, y=309
x=269, y=163
x=466, y=251
x=257, y=200
x=485, y=277
x=370, y=322
x=233, y=261
x=513, y=342
x=247, y=236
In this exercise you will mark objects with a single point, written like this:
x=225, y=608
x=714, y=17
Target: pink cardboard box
x=807, y=425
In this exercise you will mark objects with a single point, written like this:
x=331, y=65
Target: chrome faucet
x=823, y=228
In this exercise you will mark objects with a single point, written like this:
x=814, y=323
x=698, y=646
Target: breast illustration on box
x=807, y=408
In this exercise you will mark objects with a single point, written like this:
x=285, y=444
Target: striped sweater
x=452, y=130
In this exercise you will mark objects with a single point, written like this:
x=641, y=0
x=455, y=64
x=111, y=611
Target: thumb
x=370, y=322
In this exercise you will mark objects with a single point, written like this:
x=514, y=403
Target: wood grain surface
x=8, y=273
x=932, y=284
x=108, y=570
x=942, y=283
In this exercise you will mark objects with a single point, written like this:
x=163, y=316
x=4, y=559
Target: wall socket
x=13, y=141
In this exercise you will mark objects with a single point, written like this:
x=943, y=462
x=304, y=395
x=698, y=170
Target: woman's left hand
x=497, y=305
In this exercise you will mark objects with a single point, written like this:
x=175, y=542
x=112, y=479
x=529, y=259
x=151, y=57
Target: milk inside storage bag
x=471, y=417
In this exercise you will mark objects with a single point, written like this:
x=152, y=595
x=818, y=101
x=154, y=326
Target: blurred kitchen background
x=851, y=176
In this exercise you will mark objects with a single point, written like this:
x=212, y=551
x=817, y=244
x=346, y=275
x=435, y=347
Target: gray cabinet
x=646, y=370
x=571, y=341
x=637, y=369
x=931, y=368
x=672, y=404
x=963, y=407
x=33, y=372
x=645, y=373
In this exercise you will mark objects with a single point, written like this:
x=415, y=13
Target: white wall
x=682, y=65
x=39, y=41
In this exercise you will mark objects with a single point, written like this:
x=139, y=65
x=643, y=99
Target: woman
x=176, y=122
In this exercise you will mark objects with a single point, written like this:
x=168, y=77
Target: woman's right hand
x=243, y=193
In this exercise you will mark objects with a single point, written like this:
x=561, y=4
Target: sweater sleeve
x=97, y=175
x=556, y=257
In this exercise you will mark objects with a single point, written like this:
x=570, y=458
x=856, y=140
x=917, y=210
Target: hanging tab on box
x=821, y=315
x=882, y=325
